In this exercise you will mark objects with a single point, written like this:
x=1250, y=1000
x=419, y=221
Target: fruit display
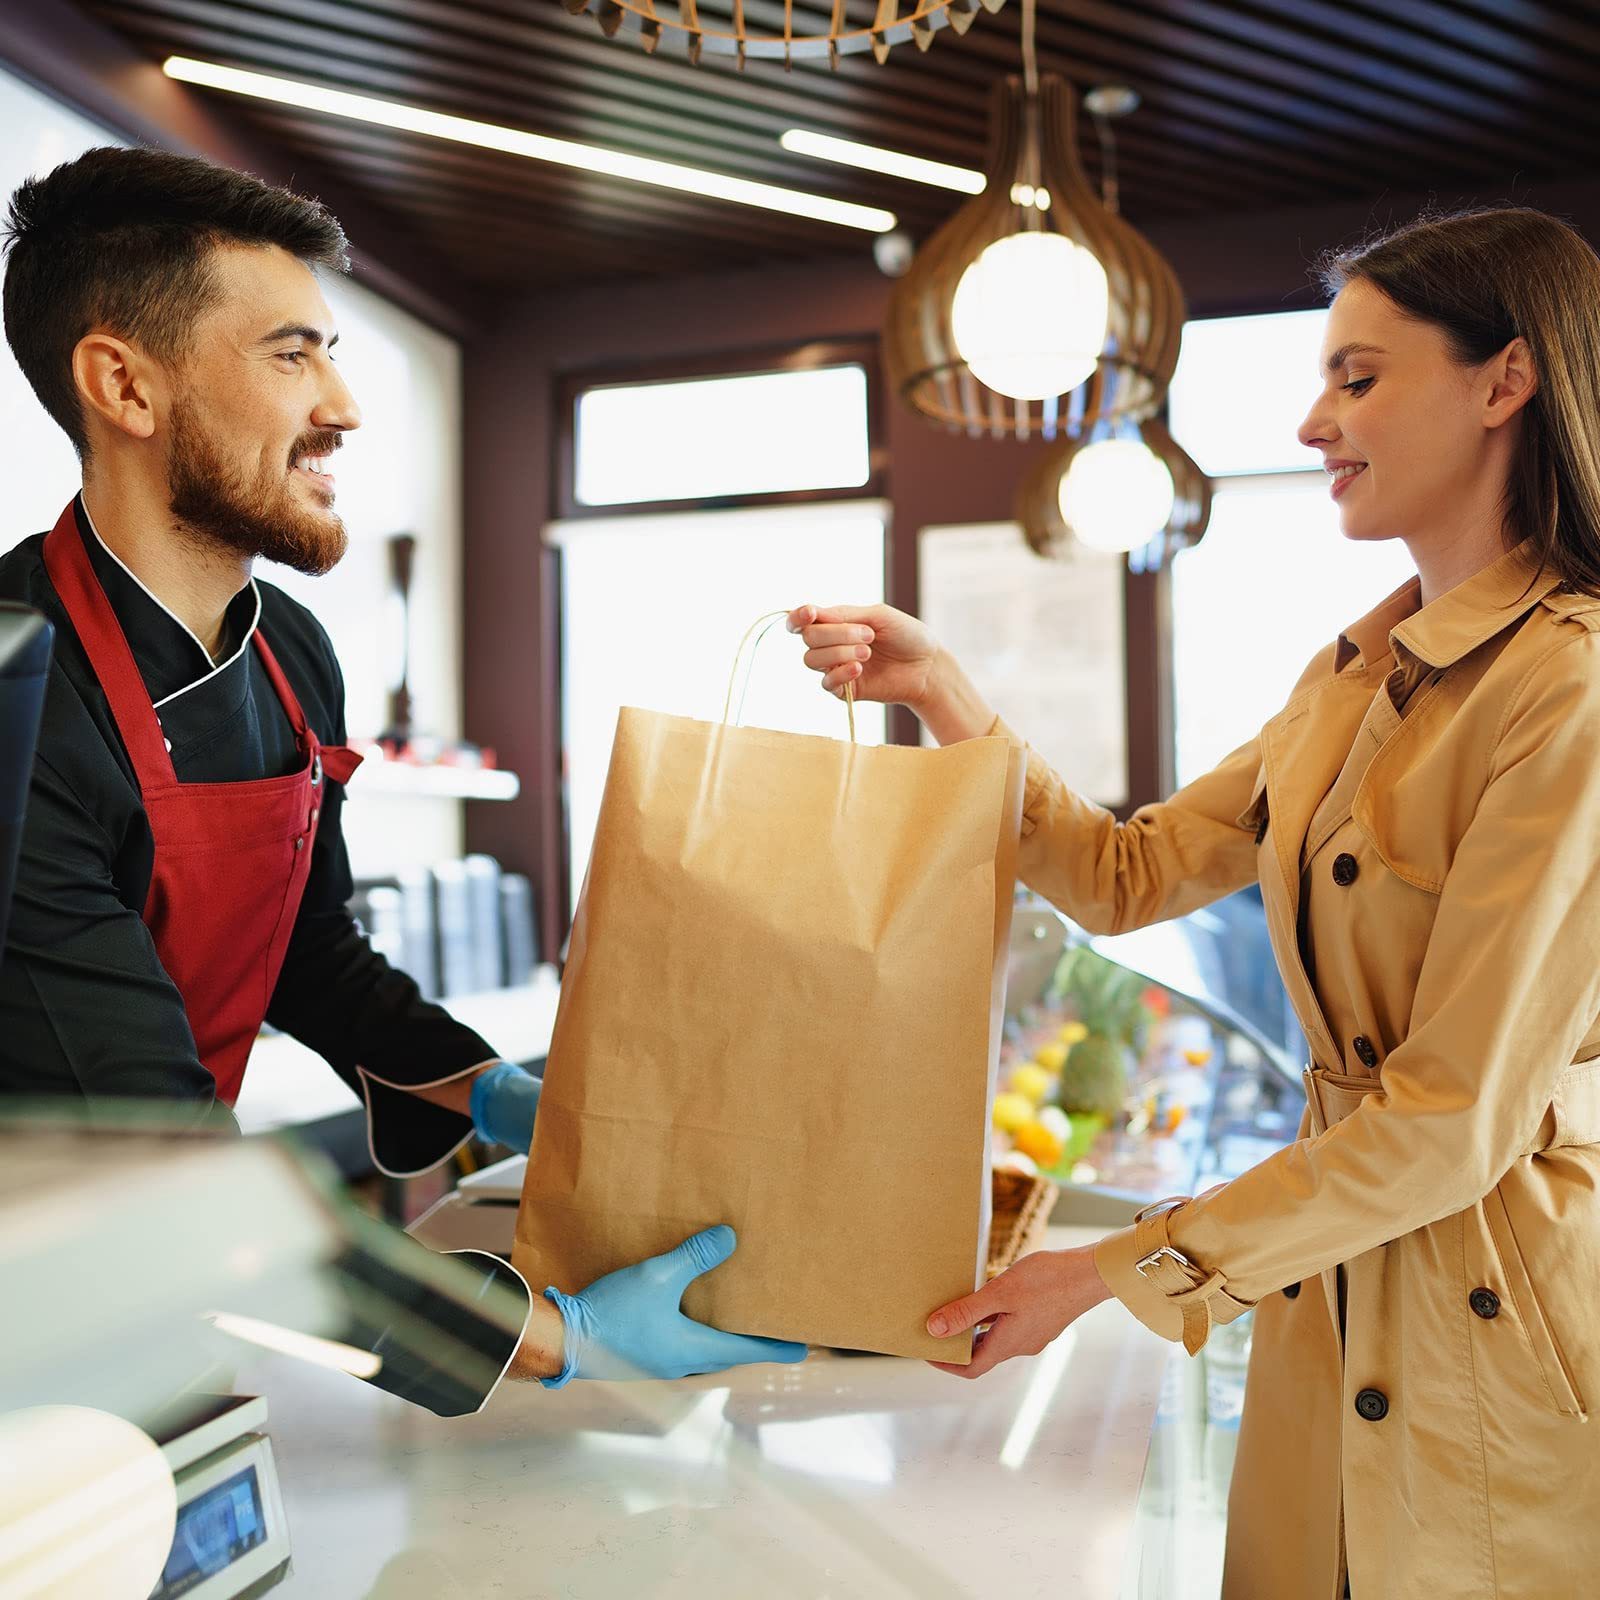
x=1099, y=1075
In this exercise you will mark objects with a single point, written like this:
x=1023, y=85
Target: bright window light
x=714, y=438
x=1267, y=536
x=624, y=578
x=1242, y=388
x=536, y=146
x=802, y=142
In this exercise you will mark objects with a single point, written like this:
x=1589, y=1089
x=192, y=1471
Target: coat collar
x=1455, y=624
x=1472, y=613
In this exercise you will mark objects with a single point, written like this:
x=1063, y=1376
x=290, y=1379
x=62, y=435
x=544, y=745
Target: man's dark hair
x=123, y=240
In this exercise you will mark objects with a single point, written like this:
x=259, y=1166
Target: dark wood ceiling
x=1247, y=106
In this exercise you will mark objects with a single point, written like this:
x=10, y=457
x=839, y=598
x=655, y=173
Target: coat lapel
x=1303, y=750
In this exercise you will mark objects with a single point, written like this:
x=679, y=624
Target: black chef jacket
x=86, y=1010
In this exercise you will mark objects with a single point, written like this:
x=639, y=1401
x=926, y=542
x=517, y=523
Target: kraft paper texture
x=781, y=1011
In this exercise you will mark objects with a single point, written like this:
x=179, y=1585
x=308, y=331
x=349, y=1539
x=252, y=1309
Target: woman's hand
x=888, y=655
x=884, y=653
x=1026, y=1307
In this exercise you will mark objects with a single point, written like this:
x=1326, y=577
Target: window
x=1274, y=579
x=723, y=437
x=656, y=594
x=653, y=609
x=1242, y=386
x=41, y=471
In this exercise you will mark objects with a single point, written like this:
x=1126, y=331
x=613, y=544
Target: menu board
x=1042, y=638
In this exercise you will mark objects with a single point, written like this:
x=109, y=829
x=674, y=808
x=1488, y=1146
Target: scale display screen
x=214, y=1530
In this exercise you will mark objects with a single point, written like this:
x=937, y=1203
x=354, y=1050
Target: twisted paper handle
x=766, y=624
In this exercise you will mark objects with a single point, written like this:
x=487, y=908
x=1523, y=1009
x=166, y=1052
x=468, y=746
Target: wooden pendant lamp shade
x=808, y=30
x=1147, y=307
x=1038, y=499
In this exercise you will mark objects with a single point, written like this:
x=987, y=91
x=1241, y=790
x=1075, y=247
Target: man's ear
x=115, y=383
x=1515, y=381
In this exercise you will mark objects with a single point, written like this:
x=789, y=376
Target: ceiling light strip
x=893, y=163
x=535, y=146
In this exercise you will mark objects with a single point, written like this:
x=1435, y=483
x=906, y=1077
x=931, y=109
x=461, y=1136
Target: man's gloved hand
x=628, y=1325
x=504, y=1100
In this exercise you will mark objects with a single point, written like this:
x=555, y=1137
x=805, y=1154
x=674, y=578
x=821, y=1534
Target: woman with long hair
x=1424, y=820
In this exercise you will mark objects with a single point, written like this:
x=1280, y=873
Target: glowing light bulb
x=1116, y=495
x=1029, y=315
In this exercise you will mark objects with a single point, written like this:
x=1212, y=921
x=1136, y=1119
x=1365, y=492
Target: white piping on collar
x=208, y=675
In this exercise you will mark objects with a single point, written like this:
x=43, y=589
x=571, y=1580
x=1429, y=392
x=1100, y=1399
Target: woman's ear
x=113, y=384
x=1513, y=382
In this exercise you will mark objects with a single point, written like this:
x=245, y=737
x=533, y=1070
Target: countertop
x=847, y=1476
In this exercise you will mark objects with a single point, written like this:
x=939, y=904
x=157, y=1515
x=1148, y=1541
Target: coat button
x=1485, y=1303
x=1291, y=1291
x=1345, y=869
x=300, y=842
x=1365, y=1054
x=1372, y=1405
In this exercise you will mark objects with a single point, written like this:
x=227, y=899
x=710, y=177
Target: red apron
x=231, y=859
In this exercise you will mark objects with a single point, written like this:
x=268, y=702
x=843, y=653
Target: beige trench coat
x=1450, y=1156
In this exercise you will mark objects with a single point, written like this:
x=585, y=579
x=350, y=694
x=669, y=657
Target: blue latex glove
x=504, y=1100
x=628, y=1325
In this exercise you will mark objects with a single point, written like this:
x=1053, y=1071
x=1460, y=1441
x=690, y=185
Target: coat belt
x=1572, y=1117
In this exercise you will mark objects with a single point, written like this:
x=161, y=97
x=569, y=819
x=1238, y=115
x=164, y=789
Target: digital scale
x=232, y=1539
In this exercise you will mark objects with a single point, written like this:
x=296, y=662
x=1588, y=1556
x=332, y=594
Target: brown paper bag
x=781, y=1011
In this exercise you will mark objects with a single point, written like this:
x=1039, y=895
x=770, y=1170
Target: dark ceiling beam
x=96, y=71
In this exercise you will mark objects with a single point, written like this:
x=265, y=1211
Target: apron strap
x=336, y=760
x=66, y=562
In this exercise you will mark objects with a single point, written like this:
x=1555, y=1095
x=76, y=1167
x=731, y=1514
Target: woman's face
x=1402, y=426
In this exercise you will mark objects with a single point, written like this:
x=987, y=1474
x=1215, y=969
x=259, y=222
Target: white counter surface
x=864, y=1477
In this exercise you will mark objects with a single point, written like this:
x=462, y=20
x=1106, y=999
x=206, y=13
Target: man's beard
x=260, y=519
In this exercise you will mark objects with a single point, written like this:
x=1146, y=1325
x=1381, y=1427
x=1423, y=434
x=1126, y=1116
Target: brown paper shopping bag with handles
x=781, y=1010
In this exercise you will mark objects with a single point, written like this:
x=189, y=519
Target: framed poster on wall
x=1043, y=641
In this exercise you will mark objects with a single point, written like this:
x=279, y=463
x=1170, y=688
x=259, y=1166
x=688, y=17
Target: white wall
x=399, y=473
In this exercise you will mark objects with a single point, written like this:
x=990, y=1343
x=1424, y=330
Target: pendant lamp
x=1126, y=487
x=1035, y=308
x=721, y=28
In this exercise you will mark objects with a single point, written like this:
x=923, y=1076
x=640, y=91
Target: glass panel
x=1242, y=387
x=1042, y=639
x=1272, y=582
x=761, y=433
x=653, y=611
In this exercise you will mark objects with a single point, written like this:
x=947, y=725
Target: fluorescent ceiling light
x=826, y=148
x=536, y=146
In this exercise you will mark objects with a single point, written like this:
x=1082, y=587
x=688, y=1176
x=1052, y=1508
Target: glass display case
x=1148, y=1064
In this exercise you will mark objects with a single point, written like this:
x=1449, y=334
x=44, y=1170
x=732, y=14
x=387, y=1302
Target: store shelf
x=376, y=776
x=289, y=1084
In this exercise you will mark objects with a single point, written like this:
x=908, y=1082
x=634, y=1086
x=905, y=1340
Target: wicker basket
x=1021, y=1213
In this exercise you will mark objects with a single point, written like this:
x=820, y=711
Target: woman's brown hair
x=1484, y=277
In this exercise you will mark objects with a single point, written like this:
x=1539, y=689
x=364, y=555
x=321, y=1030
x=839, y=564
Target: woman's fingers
x=825, y=635
x=989, y=1350
x=807, y=616
x=982, y=1305
x=835, y=681
x=837, y=656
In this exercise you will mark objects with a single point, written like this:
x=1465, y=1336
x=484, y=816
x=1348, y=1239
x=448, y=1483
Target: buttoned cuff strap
x=1160, y=1285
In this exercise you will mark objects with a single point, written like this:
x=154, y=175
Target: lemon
x=1012, y=1111
x=1031, y=1080
x=1052, y=1057
x=1197, y=1058
x=1040, y=1143
x=1073, y=1033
